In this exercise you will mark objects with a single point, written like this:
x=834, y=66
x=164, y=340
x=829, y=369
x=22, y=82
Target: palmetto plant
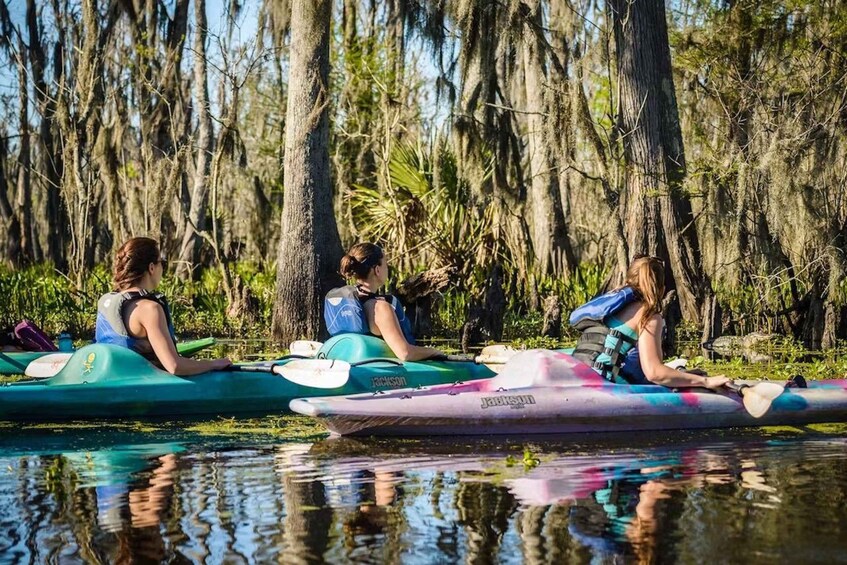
x=424, y=216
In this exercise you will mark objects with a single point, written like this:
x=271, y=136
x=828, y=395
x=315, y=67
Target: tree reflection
x=484, y=511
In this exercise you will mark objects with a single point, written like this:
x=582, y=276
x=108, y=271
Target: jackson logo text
x=515, y=401
x=390, y=382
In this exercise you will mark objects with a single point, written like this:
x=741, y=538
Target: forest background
x=521, y=151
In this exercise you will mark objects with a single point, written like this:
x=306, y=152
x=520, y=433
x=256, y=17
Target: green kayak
x=15, y=362
x=105, y=381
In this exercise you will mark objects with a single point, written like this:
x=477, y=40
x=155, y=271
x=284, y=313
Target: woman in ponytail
x=622, y=332
x=378, y=314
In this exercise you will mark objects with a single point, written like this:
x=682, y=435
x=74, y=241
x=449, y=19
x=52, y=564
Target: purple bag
x=32, y=338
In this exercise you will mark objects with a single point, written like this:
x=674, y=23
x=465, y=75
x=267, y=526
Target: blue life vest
x=344, y=312
x=110, y=326
x=620, y=361
x=596, y=309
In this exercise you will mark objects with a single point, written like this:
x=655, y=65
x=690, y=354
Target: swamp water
x=279, y=490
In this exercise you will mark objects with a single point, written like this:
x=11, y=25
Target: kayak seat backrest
x=544, y=368
x=103, y=363
x=355, y=348
x=33, y=338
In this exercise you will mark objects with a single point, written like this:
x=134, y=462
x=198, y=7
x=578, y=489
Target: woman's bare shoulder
x=146, y=308
x=654, y=323
x=381, y=305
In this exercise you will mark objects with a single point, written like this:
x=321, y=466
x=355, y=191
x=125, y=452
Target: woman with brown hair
x=622, y=332
x=137, y=317
x=359, y=309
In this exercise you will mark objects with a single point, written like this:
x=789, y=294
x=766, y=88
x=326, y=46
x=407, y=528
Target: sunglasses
x=651, y=258
x=164, y=263
x=374, y=260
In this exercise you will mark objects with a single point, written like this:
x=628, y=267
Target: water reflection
x=687, y=498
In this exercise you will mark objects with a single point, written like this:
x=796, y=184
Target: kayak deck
x=15, y=362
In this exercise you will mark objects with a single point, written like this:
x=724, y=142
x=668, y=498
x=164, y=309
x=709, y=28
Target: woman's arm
x=385, y=320
x=650, y=352
x=152, y=318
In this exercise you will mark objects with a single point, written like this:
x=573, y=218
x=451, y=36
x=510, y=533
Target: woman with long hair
x=361, y=309
x=622, y=332
x=137, y=317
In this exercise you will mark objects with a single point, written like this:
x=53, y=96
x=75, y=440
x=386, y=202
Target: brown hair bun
x=133, y=259
x=359, y=261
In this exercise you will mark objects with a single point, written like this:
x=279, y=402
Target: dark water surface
x=122, y=495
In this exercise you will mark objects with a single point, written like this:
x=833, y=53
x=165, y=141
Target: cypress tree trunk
x=24, y=192
x=475, y=119
x=51, y=156
x=12, y=249
x=80, y=125
x=658, y=215
x=190, y=247
x=547, y=227
x=309, y=247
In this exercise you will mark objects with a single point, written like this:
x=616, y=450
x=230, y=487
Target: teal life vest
x=110, y=326
x=607, y=345
x=344, y=312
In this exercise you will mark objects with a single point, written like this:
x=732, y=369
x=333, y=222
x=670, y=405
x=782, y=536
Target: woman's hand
x=219, y=364
x=716, y=382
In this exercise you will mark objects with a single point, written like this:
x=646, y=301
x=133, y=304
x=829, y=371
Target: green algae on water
x=285, y=427
x=829, y=428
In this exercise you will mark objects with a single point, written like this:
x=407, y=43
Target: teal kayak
x=104, y=381
x=15, y=362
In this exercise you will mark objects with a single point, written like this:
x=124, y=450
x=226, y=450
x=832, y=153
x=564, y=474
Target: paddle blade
x=305, y=347
x=758, y=399
x=496, y=354
x=47, y=366
x=681, y=363
x=315, y=373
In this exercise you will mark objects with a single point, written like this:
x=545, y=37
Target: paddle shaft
x=250, y=368
x=467, y=358
x=741, y=388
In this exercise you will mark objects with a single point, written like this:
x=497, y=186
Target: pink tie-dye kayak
x=547, y=392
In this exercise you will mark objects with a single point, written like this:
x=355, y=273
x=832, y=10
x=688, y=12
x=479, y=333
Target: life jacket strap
x=592, y=344
x=603, y=331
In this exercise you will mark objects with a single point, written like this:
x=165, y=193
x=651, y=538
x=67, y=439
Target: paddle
x=757, y=399
x=47, y=366
x=490, y=355
x=496, y=354
x=314, y=373
x=305, y=347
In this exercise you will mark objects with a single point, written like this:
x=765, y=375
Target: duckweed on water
x=781, y=430
x=11, y=378
x=835, y=428
x=106, y=426
x=287, y=427
x=832, y=428
x=290, y=427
